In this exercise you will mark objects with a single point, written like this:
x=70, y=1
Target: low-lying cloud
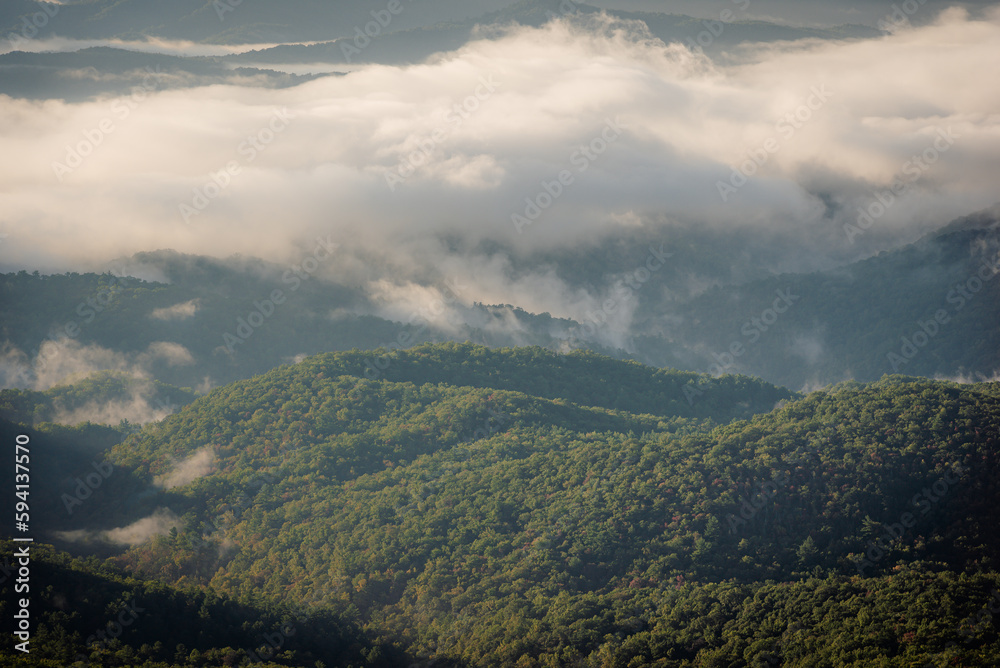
x=180, y=311
x=584, y=129
x=170, y=47
x=159, y=523
x=61, y=361
x=140, y=407
x=198, y=465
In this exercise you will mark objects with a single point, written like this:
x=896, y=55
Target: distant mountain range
x=413, y=45
x=929, y=309
x=232, y=22
x=83, y=74
x=925, y=309
x=75, y=73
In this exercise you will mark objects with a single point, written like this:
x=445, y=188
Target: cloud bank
x=532, y=140
x=62, y=361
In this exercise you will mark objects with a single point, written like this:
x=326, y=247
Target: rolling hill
x=508, y=507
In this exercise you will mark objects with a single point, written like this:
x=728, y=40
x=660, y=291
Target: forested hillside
x=479, y=507
x=190, y=327
x=499, y=334
x=927, y=309
x=153, y=624
x=105, y=397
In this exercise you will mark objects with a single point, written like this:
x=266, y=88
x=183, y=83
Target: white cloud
x=62, y=361
x=687, y=122
x=160, y=522
x=169, y=47
x=180, y=311
x=198, y=465
x=138, y=408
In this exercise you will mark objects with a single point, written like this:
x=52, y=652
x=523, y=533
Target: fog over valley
x=500, y=333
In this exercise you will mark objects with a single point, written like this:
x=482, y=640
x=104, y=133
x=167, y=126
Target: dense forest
x=855, y=321
x=468, y=506
x=499, y=334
